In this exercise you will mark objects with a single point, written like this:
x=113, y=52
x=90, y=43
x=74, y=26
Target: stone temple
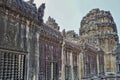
x=98, y=27
x=33, y=50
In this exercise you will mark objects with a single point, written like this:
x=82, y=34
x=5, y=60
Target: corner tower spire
x=31, y=1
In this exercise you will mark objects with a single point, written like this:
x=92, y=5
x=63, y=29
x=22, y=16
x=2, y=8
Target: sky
x=69, y=13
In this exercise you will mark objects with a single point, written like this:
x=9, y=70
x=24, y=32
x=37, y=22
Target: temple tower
x=31, y=1
x=98, y=27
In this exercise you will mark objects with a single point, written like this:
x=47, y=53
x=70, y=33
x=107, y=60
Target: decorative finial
x=31, y=1
x=41, y=12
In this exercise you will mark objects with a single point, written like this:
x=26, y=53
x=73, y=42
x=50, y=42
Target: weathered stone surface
x=33, y=50
x=52, y=23
x=98, y=27
x=19, y=37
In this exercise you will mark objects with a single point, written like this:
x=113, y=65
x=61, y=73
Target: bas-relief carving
x=1, y=29
x=23, y=39
x=12, y=34
x=9, y=36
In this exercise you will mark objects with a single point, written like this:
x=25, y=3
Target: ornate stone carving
x=10, y=34
x=41, y=12
x=71, y=36
x=96, y=25
x=52, y=23
x=99, y=28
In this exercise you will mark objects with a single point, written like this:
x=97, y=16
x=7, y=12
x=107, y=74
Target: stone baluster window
x=11, y=66
x=68, y=74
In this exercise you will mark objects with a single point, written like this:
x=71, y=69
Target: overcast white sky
x=68, y=13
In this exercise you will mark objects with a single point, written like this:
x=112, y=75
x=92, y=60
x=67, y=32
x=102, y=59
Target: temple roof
x=26, y=9
x=117, y=50
x=52, y=23
x=51, y=31
x=72, y=44
x=25, y=6
x=95, y=15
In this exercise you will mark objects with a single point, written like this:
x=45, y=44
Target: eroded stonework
x=33, y=50
x=98, y=27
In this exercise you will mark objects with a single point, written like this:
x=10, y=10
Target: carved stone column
x=98, y=64
x=37, y=57
x=63, y=62
x=51, y=70
x=26, y=77
x=71, y=64
x=79, y=63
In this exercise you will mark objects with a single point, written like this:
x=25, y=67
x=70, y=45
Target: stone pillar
x=27, y=56
x=110, y=62
x=79, y=66
x=105, y=62
x=63, y=65
x=37, y=57
x=71, y=64
x=98, y=65
x=51, y=70
x=113, y=63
